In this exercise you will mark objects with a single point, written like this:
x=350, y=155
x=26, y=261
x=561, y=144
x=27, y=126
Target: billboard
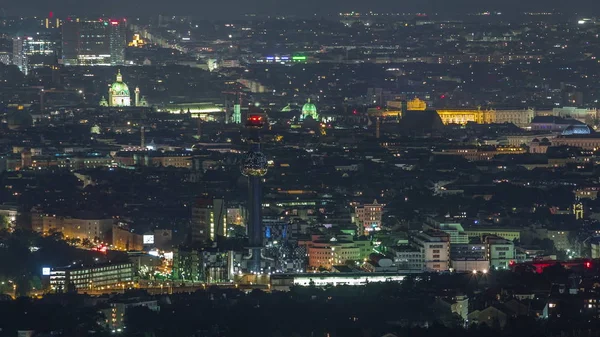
x=148, y=239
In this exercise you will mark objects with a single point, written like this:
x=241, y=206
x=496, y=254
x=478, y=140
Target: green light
x=106, y=23
x=299, y=58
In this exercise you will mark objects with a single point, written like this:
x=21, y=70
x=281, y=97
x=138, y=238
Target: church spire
x=119, y=76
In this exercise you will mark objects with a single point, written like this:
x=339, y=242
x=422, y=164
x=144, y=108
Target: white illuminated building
x=285, y=281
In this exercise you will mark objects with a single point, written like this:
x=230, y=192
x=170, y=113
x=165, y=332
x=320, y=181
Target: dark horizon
x=235, y=9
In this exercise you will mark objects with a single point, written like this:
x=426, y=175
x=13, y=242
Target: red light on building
x=101, y=248
x=588, y=264
x=114, y=23
x=511, y=262
x=50, y=15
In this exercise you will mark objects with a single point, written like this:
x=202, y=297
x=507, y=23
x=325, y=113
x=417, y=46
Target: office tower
x=118, y=39
x=255, y=167
x=19, y=58
x=40, y=50
x=93, y=42
x=70, y=42
x=209, y=220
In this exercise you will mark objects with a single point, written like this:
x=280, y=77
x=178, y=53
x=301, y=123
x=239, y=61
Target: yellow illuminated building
x=137, y=41
x=416, y=104
x=448, y=116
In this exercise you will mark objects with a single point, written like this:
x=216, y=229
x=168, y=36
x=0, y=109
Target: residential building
x=125, y=239
x=368, y=217
x=500, y=251
x=91, y=227
x=209, y=219
x=115, y=315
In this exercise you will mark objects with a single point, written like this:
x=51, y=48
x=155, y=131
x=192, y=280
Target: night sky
x=229, y=8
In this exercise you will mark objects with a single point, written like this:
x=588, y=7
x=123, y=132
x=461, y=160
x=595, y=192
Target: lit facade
x=93, y=42
x=154, y=159
x=326, y=253
x=482, y=154
x=118, y=94
x=283, y=282
x=92, y=278
x=19, y=58
x=309, y=110
x=117, y=32
x=435, y=247
x=500, y=252
x=456, y=232
x=91, y=229
x=506, y=233
x=464, y=116
x=368, y=217
x=468, y=257
x=124, y=239
x=209, y=219
x=520, y=118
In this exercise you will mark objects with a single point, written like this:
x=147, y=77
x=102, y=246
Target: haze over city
x=299, y=169
x=235, y=8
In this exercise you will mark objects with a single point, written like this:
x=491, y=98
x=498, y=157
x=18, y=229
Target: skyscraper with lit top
x=255, y=167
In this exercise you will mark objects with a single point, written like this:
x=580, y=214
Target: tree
x=4, y=221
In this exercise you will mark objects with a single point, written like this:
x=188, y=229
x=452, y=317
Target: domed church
x=119, y=95
x=309, y=109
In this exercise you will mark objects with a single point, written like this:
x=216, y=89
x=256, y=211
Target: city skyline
x=223, y=10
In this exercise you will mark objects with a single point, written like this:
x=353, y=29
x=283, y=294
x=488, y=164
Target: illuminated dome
x=309, y=109
x=255, y=164
x=120, y=88
x=118, y=93
x=578, y=129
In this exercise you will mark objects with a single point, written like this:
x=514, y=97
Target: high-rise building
x=255, y=167
x=18, y=57
x=368, y=217
x=118, y=41
x=209, y=220
x=93, y=42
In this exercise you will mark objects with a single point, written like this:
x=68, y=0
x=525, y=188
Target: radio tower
x=255, y=167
